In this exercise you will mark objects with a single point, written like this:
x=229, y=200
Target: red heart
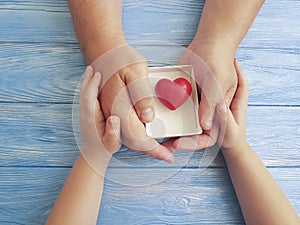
x=173, y=93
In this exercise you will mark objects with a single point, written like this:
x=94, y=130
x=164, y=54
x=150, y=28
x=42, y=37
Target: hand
x=236, y=115
x=98, y=26
x=100, y=139
x=128, y=95
x=216, y=78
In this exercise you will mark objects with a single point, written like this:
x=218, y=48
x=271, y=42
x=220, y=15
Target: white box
x=184, y=120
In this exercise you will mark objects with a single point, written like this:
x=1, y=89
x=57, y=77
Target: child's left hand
x=100, y=139
x=233, y=119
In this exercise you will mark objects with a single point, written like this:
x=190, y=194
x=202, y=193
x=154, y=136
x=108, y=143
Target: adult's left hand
x=217, y=81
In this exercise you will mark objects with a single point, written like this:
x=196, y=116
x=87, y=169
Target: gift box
x=175, y=102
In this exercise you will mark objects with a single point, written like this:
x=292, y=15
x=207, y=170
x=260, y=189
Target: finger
x=213, y=134
x=242, y=82
x=224, y=122
x=90, y=98
x=206, y=112
x=239, y=104
x=229, y=94
x=195, y=142
x=140, y=91
x=227, y=122
x=136, y=139
x=162, y=153
x=93, y=87
x=221, y=111
x=187, y=143
x=111, y=138
x=169, y=144
x=88, y=74
x=133, y=130
x=211, y=95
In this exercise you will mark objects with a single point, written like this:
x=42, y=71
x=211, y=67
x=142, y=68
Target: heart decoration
x=173, y=93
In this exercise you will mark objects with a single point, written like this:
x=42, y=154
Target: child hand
x=100, y=139
x=234, y=118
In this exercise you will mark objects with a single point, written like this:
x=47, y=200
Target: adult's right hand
x=98, y=26
x=128, y=95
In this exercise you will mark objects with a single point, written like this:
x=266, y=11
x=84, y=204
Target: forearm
x=260, y=197
x=223, y=24
x=80, y=198
x=98, y=25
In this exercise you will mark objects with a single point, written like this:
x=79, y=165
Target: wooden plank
x=39, y=73
x=175, y=20
x=36, y=21
x=189, y=197
x=42, y=135
x=43, y=63
x=50, y=73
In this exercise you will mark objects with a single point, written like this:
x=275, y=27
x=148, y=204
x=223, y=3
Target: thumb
x=211, y=96
x=140, y=92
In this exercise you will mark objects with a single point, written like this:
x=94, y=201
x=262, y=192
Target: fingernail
x=88, y=68
x=147, y=114
x=222, y=108
x=208, y=122
x=97, y=75
x=115, y=121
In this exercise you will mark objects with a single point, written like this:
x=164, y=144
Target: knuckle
x=144, y=102
x=133, y=71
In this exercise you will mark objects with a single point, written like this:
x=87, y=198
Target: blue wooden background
x=41, y=65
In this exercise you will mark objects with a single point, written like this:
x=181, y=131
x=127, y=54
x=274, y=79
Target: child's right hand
x=234, y=120
x=100, y=138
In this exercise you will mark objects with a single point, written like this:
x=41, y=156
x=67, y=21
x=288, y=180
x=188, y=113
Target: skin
x=98, y=25
x=260, y=197
x=80, y=197
x=223, y=24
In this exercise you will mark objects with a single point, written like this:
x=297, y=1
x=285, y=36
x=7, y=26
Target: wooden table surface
x=41, y=65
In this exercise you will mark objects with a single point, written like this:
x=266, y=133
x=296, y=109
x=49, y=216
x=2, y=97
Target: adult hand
x=222, y=26
x=217, y=81
x=126, y=93
x=98, y=26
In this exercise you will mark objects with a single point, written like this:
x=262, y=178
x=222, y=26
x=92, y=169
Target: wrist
x=96, y=159
x=236, y=151
x=100, y=44
x=214, y=51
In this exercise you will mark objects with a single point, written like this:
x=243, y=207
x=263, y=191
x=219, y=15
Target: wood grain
x=44, y=73
x=42, y=135
x=170, y=20
x=189, y=197
x=41, y=65
x=44, y=64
